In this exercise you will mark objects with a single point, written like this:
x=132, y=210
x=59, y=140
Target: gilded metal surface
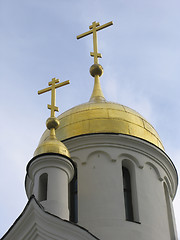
x=52, y=144
x=52, y=122
x=97, y=94
x=100, y=116
x=93, y=29
x=104, y=117
x=53, y=87
x=96, y=69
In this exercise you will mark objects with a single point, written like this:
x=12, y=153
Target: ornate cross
x=93, y=29
x=53, y=85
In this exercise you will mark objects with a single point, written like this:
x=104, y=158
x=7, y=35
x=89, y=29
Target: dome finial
x=96, y=69
x=51, y=144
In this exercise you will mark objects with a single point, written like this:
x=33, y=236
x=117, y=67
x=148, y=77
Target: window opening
x=43, y=181
x=74, y=200
x=127, y=195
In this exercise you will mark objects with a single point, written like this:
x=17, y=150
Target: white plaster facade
x=36, y=224
x=60, y=171
x=101, y=207
x=99, y=159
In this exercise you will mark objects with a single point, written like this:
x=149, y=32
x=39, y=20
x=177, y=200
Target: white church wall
x=36, y=224
x=99, y=158
x=60, y=172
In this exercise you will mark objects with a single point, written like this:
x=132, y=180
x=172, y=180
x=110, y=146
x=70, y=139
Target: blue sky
x=141, y=57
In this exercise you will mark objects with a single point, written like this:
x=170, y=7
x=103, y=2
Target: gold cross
x=52, y=88
x=94, y=28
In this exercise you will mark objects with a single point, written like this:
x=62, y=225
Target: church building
x=100, y=171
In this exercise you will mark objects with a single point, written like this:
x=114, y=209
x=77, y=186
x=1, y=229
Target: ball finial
x=96, y=69
x=52, y=122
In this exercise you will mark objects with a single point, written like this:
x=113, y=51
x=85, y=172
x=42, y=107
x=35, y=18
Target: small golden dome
x=104, y=117
x=51, y=143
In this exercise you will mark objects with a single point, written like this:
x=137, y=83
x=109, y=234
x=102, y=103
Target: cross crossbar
x=94, y=28
x=97, y=29
x=53, y=85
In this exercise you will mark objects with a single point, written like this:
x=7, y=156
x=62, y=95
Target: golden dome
x=100, y=116
x=104, y=117
x=51, y=144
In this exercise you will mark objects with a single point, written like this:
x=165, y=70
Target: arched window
x=127, y=195
x=43, y=182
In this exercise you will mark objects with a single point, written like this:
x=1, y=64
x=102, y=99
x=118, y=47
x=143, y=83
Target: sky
x=141, y=61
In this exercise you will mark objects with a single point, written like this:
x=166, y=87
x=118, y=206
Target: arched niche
x=131, y=159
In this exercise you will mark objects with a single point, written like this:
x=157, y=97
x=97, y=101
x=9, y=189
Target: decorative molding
x=156, y=170
x=168, y=186
x=125, y=143
x=98, y=152
x=130, y=157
